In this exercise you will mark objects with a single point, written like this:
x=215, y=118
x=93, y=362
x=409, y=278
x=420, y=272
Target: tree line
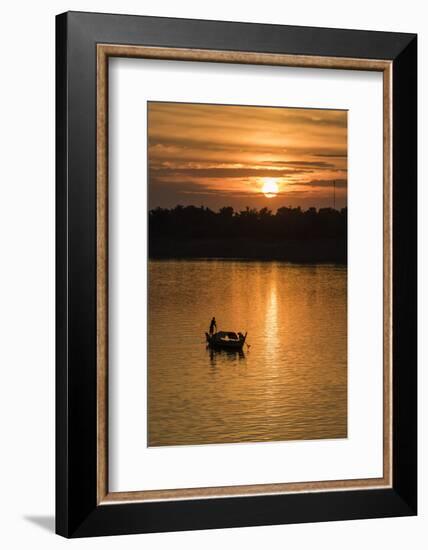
x=184, y=223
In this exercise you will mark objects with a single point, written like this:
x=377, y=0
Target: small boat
x=226, y=340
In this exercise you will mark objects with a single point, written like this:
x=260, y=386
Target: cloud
x=340, y=183
x=211, y=152
x=301, y=163
x=333, y=154
x=225, y=172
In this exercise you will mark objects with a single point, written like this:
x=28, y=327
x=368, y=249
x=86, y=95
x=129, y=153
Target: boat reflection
x=218, y=356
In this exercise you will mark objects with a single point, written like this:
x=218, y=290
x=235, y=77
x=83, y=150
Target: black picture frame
x=77, y=512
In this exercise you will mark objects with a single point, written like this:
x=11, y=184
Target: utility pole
x=334, y=194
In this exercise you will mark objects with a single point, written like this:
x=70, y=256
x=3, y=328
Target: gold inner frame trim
x=104, y=51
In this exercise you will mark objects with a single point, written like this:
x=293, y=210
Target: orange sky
x=222, y=155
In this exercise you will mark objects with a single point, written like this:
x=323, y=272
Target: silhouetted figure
x=213, y=325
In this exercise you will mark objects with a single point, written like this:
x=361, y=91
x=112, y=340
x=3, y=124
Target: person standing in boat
x=213, y=325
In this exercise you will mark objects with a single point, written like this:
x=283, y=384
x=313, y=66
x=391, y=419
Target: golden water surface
x=290, y=382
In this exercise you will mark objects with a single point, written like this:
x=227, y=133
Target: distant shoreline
x=293, y=251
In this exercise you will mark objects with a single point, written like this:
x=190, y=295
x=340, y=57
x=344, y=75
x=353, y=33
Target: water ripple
x=291, y=383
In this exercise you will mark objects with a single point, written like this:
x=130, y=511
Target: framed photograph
x=236, y=274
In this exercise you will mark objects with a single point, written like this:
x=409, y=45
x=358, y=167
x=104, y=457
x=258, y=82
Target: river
x=290, y=381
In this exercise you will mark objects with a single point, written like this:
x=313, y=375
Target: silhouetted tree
x=170, y=228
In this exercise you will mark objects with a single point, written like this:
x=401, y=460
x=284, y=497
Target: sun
x=270, y=187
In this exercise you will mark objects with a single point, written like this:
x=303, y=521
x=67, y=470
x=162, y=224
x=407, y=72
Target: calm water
x=291, y=383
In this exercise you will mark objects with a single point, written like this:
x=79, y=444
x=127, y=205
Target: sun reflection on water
x=290, y=382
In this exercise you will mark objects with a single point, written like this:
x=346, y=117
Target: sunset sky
x=220, y=155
